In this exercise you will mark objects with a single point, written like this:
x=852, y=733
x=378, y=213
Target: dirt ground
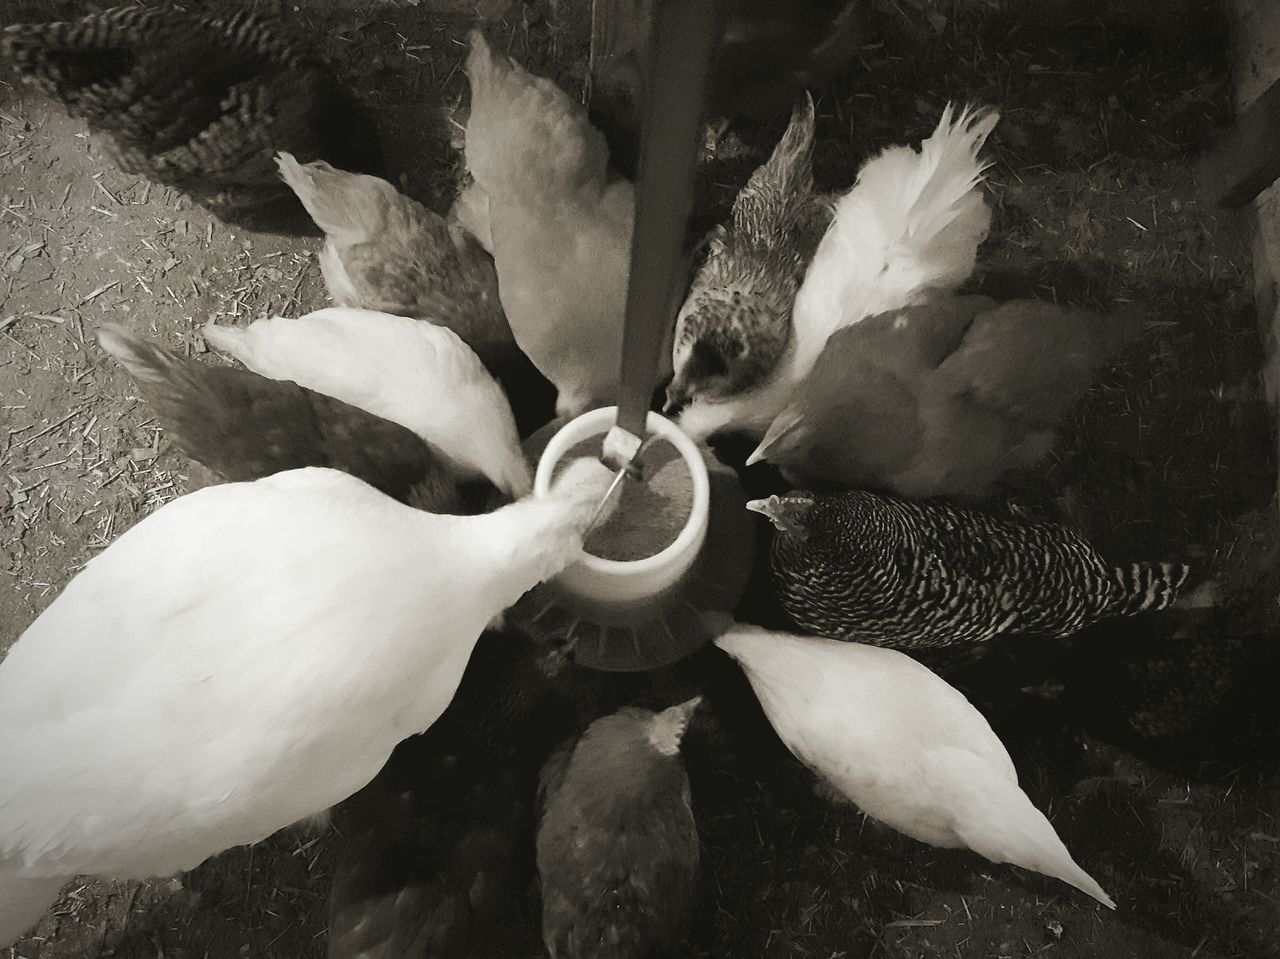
x=1096, y=206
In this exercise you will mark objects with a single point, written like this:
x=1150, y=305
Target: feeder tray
x=667, y=628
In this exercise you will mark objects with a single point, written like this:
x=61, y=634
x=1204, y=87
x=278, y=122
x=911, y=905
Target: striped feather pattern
x=197, y=102
x=893, y=572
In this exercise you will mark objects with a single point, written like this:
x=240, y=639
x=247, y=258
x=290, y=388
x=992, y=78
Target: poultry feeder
x=634, y=600
x=644, y=613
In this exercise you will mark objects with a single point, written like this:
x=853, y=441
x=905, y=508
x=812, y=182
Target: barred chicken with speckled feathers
x=200, y=103
x=913, y=575
x=736, y=322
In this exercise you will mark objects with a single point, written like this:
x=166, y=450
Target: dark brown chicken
x=243, y=426
x=199, y=102
x=617, y=842
x=942, y=399
x=439, y=841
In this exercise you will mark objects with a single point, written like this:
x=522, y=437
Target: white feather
x=417, y=374
x=244, y=658
x=905, y=746
x=909, y=227
x=558, y=229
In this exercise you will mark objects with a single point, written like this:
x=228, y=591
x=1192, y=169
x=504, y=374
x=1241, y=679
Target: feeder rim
x=598, y=422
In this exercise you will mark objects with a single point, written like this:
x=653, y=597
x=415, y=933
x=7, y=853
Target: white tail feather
x=1005, y=826
x=910, y=225
x=348, y=207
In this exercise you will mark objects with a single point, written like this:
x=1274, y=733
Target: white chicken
x=908, y=229
x=419, y=375
x=245, y=657
x=558, y=227
x=902, y=744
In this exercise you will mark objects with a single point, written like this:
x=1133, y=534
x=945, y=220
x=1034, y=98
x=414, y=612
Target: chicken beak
x=771, y=438
x=784, y=513
x=768, y=508
x=676, y=398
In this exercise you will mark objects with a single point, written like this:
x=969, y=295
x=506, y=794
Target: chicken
x=942, y=399
x=199, y=102
x=907, y=748
x=437, y=844
x=1192, y=690
x=243, y=426
x=559, y=228
x=243, y=658
x=736, y=322
x=617, y=844
x=888, y=571
x=416, y=374
x=907, y=230
x=386, y=251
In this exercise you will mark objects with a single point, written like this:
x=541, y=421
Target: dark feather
x=878, y=569
x=438, y=842
x=617, y=845
x=243, y=426
x=197, y=102
x=772, y=52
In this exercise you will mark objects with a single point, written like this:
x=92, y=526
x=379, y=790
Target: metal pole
x=683, y=41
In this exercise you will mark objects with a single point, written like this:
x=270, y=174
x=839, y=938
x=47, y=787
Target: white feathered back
x=859, y=681
x=903, y=744
x=415, y=373
x=911, y=224
x=248, y=656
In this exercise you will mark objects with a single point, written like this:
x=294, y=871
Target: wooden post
x=1257, y=67
x=615, y=89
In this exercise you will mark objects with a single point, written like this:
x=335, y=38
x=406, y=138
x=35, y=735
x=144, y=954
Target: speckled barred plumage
x=736, y=322
x=200, y=103
x=877, y=569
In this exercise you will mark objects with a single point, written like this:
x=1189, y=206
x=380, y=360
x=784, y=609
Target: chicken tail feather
x=516, y=115
x=786, y=175
x=1023, y=836
x=1148, y=586
x=146, y=362
x=345, y=205
x=909, y=226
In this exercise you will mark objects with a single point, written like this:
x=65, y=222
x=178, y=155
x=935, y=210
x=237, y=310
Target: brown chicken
x=386, y=251
x=942, y=399
x=243, y=426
